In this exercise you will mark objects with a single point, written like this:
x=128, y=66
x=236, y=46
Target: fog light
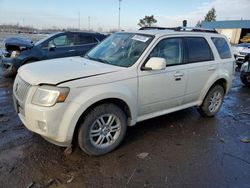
x=42, y=126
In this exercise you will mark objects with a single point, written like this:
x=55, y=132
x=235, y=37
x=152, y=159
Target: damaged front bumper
x=7, y=62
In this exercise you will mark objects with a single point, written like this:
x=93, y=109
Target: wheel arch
x=222, y=82
x=119, y=102
x=30, y=59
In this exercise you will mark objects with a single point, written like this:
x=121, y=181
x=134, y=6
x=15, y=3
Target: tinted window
x=60, y=41
x=222, y=47
x=85, y=39
x=198, y=50
x=169, y=49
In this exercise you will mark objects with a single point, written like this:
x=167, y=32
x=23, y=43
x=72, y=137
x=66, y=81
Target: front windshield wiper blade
x=97, y=59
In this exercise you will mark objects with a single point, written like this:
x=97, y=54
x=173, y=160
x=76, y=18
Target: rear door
x=85, y=42
x=200, y=66
x=163, y=89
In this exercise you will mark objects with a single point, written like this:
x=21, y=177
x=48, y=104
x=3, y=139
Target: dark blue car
x=21, y=51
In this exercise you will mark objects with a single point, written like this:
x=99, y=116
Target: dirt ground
x=181, y=149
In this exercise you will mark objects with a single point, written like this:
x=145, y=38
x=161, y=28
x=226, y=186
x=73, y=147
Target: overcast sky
x=104, y=13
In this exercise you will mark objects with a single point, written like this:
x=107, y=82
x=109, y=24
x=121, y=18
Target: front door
x=61, y=46
x=163, y=89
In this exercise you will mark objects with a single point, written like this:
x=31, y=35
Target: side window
x=63, y=40
x=170, y=49
x=198, y=50
x=85, y=39
x=222, y=47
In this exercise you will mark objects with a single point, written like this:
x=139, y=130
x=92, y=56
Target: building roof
x=228, y=24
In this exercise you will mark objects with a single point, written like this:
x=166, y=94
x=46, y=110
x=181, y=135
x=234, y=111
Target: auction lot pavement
x=180, y=149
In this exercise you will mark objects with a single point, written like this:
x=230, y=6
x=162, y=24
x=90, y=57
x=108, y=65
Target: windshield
x=120, y=49
x=44, y=39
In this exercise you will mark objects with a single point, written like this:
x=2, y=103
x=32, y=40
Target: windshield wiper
x=97, y=59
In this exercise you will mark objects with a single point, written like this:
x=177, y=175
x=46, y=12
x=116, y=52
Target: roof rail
x=194, y=29
x=157, y=28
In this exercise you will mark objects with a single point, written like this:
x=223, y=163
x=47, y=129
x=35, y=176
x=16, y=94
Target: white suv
x=128, y=78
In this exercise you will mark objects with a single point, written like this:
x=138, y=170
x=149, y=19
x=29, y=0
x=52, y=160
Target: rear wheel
x=212, y=102
x=245, y=79
x=102, y=130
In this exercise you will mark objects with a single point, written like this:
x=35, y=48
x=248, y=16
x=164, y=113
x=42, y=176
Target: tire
x=9, y=71
x=245, y=79
x=212, y=102
x=108, y=124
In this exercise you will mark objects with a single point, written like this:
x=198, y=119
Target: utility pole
x=89, y=23
x=79, y=21
x=119, y=18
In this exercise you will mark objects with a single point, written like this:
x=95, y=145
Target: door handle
x=72, y=50
x=212, y=68
x=179, y=74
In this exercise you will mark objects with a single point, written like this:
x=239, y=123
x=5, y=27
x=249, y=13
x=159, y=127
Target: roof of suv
x=185, y=31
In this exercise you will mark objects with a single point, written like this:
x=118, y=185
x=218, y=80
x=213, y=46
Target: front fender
x=88, y=96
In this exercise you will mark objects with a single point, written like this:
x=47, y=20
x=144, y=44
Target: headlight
x=14, y=54
x=244, y=67
x=49, y=95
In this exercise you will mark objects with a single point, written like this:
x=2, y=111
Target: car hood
x=17, y=41
x=62, y=70
x=246, y=50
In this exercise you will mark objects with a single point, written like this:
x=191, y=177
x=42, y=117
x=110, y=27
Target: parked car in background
x=242, y=55
x=245, y=71
x=239, y=47
x=240, y=51
x=22, y=51
x=128, y=78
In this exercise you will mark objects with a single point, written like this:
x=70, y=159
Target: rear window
x=198, y=50
x=222, y=47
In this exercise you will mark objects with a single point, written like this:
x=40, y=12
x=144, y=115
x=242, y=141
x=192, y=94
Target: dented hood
x=61, y=70
x=18, y=41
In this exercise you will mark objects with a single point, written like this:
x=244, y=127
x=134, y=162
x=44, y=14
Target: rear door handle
x=212, y=68
x=72, y=50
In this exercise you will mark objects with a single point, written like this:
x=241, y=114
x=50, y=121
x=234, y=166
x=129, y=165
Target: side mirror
x=52, y=47
x=155, y=63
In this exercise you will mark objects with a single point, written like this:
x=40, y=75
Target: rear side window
x=86, y=39
x=222, y=47
x=198, y=50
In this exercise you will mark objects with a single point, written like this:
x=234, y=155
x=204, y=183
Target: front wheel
x=9, y=71
x=102, y=130
x=245, y=79
x=212, y=102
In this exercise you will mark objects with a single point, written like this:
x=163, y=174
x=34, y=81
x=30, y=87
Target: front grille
x=21, y=89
